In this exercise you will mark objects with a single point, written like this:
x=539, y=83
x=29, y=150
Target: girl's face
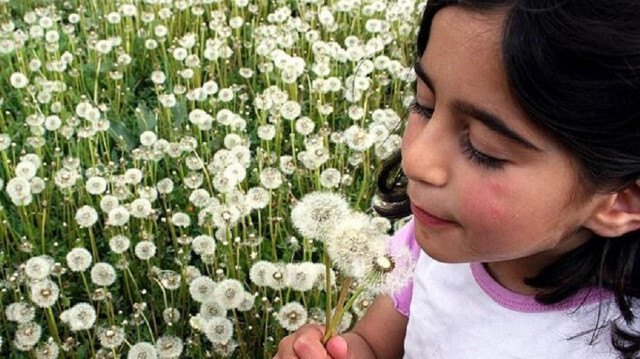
x=485, y=184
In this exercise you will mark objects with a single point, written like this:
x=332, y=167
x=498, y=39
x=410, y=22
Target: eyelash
x=468, y=150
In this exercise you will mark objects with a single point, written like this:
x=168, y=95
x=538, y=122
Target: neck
x=511, y=276
x=512, y=273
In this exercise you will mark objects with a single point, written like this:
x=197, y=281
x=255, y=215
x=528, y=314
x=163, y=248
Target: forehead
x=465, y=47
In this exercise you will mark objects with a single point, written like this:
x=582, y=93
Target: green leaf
x=179, y=112
x=123, y=136
x=147, y=120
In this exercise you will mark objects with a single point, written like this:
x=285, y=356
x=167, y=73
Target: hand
x=306, y=343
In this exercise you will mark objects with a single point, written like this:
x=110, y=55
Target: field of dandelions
x=195, y=178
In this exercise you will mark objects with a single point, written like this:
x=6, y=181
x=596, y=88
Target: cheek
x=487, y=205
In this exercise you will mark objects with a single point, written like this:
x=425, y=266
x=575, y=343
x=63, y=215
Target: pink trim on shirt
x=526, y=303
x=405, y=237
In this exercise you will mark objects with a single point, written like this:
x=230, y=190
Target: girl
x=521, y=156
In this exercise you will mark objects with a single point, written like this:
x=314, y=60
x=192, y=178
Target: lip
x=429, y=219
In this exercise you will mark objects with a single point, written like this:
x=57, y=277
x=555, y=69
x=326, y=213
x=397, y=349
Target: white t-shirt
x=459, y=311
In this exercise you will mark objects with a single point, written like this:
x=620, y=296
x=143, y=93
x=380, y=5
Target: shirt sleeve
x=404, y=238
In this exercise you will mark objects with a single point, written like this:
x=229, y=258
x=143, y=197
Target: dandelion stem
x=86, y=286
x=327, y=289
x=337, y=315
x=52, y=325
x=243, y=346
x=94, y=247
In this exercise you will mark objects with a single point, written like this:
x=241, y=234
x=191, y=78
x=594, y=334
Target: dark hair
x=574, y=68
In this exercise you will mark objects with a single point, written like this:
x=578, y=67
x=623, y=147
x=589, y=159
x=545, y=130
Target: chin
x=438, y=251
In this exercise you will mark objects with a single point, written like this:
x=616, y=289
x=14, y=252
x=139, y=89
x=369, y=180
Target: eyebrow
x=491, y=120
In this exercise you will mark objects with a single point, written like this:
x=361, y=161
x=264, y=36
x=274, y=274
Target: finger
x=337, y=347
x=308, y=343
x=285, y=348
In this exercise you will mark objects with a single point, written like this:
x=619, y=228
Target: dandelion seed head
x=18, y=188
x=81, y=316
x=226, y=216
x=271, y=178
x=52, y=123
x=301, y=276
x=180, y=219
x=202, y=289
x=391, y=271
x=27, y=336
x=170, y=280
x=204, y=245
x=316, y=315
x=212, y=309
x=145, y=250
x=96, y=185
x=292, y=316
x=258, y=272
x=171, y=316
x=210, y=87
x=86, y=216
x=103, y=274
x=119, y=244
x=20, y=312
x=357, y=138
x=236, y=172
x=247, y=303
x=321, y=281
x=169, y=346
x=330, y=178
x=47, y=350
x=363, y=303
x=304, y=126
x=276, y=276
x=140, y=208
x=118, y=216
x=142, y=350
x=111, y=337
x=317, y=213
x=218, y=330
x=44, y=293
x=225, y=349
x=37, y=185
x=229, y=293
x=226, y=95
x=287, y=166
x=5, y=141
x=165, y=186
x=18, y=80
x=266, y=132
x=257, y=197
x=353, y=245
x=39, y=267
x=79, y=259
x=26, y=169
x=133, y=176
x=148, y=138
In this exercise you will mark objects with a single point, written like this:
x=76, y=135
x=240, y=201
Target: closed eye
x=477, y=157
x=424, y=112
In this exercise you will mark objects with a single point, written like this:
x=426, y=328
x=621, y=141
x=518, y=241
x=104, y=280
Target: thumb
x=337, y=347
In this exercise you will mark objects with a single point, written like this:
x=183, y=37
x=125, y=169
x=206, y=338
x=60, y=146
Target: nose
x=426, y=151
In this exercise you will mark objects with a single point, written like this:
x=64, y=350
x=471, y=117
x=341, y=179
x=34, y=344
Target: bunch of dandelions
x=356, y=245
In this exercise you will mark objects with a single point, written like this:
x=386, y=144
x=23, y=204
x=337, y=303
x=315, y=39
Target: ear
x=618, y=214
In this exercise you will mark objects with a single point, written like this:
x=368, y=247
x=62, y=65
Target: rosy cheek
x=485, y=204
